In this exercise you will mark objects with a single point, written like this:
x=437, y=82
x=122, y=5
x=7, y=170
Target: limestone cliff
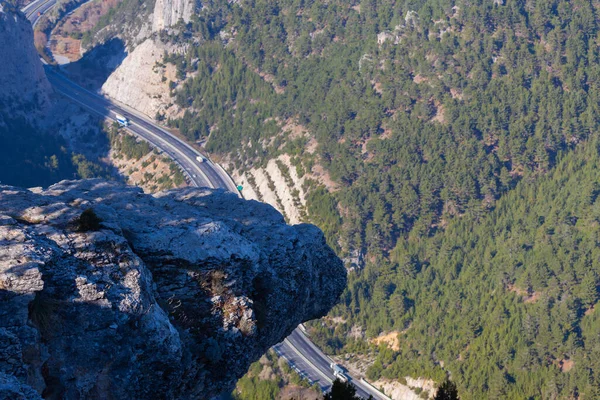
x=168, y=12
x=141, y=81
x=106, y=292
x=138, y=81
x=23, y=82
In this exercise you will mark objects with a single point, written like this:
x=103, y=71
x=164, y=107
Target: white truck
x=338, y=372
x=122, y=120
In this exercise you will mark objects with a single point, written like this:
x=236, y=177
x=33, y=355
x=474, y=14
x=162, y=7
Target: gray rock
x=12, y=389
x=168, y=12
x=106, y=292
x=23, y=83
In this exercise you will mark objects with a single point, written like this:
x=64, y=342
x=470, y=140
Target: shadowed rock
x=106, y=292
x=24, y=88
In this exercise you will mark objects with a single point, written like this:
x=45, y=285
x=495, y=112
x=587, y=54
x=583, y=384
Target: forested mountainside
x=448, y=130
x=505, y=302
x=422, y=110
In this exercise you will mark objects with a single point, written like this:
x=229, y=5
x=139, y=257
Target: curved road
x=201, y=174
x=297, y=348
x=36, y=9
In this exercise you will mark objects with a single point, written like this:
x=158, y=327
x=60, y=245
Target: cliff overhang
x=104, y=289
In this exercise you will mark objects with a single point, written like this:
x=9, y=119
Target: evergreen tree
x=447, y=391
x=343, y=391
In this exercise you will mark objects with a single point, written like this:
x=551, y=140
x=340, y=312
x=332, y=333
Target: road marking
x=154, y=135
x=177, y=151
x=317, y=369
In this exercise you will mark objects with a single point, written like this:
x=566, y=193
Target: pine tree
x=343, y=391
x=447, y=391
x=588, y=290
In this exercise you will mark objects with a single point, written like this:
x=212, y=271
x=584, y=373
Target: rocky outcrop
x=411, y=389
x=141, y=81
x=168, y=12
x=106, y=292
x=138, y=81
x=23, y=83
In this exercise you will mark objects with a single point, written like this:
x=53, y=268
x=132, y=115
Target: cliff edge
x=22, y=79
x=169, y=12
x=107, y=292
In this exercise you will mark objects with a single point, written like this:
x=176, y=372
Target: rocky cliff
x=169, y=12
x=138, y=81
x=106, y=292
x=22, y=78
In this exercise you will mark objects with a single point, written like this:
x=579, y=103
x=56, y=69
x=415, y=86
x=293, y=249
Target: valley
x=203, y=174
x=447, y=149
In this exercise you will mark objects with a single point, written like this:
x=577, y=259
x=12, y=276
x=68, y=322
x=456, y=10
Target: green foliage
x=447, y=391
x=32, y=157
x=439, y=125
x=502, y=299
x=176, y=175
x=123, y=14
x=220, y=84
x=127, y=144
x=255, y=389
x=323, y=212
x=464, y=150
x=87, y=169
x=267, y=377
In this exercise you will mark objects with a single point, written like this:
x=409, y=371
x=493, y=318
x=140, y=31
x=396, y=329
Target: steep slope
x=141, y=80
x=107, y=290
x=30, y=153
x=422, y=113
x=23, y=84
x=506, y=303
x=169, y=12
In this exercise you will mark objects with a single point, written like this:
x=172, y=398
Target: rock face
x=168, y=12
x=288, y=197
x=138, y=82
x=106, y=292
x=398, y=391
x=22, y=78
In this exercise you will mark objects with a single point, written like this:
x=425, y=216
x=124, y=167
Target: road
x=297, y=348
x=36, y=9
x=315, y=365
x=201, y=174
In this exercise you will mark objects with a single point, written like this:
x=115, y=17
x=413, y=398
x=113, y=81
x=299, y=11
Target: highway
x=201, y=174
x=315, y=365
x=297, y=348
x=34, y=10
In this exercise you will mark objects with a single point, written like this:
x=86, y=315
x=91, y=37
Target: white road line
x=295, y=350
x=177, y=151
x=119, y=108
